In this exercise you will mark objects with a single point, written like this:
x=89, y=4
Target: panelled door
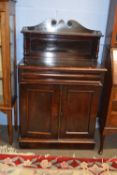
x=39, y=110
x=78, y=111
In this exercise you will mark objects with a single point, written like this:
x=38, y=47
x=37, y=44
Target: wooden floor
x=110, y=147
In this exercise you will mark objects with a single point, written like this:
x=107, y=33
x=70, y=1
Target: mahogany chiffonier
x=60, y=81
x=108, y=105
x=8, y=90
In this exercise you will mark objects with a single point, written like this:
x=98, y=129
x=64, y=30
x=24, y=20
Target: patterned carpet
x=16, y=164
x=16, y=161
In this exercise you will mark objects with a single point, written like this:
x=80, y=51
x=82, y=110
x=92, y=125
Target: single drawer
x=32, y=75
x=113, y=119
x=114, y=95
x=114, y=105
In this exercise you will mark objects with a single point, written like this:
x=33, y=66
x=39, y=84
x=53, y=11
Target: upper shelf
x=71, y=27
x=60, y=41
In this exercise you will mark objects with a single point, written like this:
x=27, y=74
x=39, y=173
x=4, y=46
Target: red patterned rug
x=15, y=164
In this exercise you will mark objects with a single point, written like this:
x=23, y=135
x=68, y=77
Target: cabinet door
x=39, y=110
x=78, y=111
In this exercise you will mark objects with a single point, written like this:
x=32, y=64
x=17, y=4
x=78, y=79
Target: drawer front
x=113, y=120
x=114, y=101
x=114, y=95
x=114, y=105
x=60, y=76
x=112, y=113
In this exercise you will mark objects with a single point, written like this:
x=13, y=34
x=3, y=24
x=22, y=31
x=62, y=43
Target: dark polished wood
x=79, y=104
x=60, y=81
x=42, y=109
x=108, y=105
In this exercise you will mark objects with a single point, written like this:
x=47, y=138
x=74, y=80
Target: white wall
x=90, y=13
